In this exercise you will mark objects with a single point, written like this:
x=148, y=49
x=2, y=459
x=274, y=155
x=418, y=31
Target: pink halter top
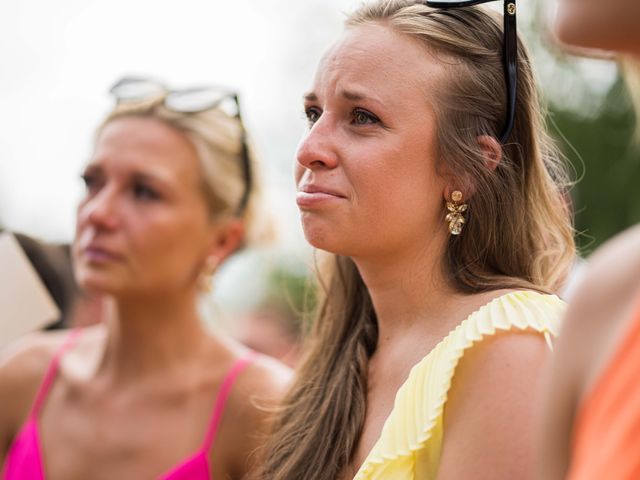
x=24, y=459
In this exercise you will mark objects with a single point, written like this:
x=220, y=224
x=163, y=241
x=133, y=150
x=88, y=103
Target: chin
x=322, y=233
x=320, y=236
x=98, y=287
x=97, y=282
x=329, y=242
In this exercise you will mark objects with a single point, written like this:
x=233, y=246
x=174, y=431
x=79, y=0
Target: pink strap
x=52, y=370
x=223, y=394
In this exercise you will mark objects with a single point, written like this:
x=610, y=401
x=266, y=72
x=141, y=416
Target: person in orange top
x=591, y=422
x=609, y=421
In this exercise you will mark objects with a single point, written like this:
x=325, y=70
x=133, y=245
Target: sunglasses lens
x=200, y=99
x=134, y=89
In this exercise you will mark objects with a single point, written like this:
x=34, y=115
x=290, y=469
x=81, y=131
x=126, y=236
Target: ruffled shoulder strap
x=417, y=413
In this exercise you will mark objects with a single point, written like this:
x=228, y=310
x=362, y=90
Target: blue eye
x=312, y=114
x=362, y=117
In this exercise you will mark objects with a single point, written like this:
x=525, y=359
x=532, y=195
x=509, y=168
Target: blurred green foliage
x=592, y=116
x=606, y=157
x=292, y=292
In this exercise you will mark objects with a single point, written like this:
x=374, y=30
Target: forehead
x=375, y=56
x=142, y=133
x=146, y=145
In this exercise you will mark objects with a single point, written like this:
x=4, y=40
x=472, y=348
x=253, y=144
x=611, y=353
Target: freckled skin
x=378, y=151
x=372, y=146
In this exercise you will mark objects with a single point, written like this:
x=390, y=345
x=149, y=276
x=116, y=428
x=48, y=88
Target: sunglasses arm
x=510, y=63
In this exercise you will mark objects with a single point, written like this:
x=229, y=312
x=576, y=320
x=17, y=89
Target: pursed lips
x=310, y=194
x=313, y=188
x=97, y=253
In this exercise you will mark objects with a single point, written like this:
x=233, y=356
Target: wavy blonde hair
x=518, y=232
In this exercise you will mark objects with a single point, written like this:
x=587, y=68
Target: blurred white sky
x=58, y=60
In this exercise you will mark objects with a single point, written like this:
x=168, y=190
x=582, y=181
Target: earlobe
x=491, y=151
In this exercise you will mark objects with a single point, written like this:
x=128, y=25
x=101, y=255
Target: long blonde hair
x=518, y=232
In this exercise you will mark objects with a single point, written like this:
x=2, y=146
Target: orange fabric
x=606, y=443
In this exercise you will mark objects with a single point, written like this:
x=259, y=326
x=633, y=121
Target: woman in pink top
x=148, y=393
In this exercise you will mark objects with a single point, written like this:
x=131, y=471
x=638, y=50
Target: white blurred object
x=25, y=303
x=575, y=277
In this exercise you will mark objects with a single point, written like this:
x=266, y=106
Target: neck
x=150, y=335
x=408, y=289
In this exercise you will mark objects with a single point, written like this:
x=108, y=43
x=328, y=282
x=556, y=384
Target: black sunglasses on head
x=189, y=100
x=510, y=53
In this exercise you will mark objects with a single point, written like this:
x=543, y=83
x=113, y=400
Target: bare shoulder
x=592, y=324
x=596, y=315
x=266, y=378
x=500, y=363
x=263, y=381
x=620, y=256
x=24, y=361
x=22, y=367
x=605, y=295
x=259, y=390
x=611, y=281
x=254, y=400
x=495, y=389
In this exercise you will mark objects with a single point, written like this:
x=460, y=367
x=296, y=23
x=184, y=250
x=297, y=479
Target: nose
x=100, y=210
x=317, y=149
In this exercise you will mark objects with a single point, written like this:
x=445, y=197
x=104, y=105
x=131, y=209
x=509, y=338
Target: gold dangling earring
x=454, y=217
x=205, y=281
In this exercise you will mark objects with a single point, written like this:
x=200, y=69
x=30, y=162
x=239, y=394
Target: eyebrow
x=353, y=96
x=347, y=94
x=138, y=175
x=160, y=180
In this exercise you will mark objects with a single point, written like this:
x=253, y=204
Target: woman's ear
x=227, y=237
x=491, y=150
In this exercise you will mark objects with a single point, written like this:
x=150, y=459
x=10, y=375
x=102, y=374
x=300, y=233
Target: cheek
x=168, y=246
x=187, y=241
x=400, y=204
x=81, y=217
x=403, y=180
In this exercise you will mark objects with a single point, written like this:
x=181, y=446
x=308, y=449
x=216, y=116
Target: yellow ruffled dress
x=410, y=444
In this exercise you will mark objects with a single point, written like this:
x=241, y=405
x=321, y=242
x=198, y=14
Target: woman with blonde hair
x=149, y=393
x=433, y=185
x=591, y=422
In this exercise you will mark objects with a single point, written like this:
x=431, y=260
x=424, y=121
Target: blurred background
x=58, y=60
